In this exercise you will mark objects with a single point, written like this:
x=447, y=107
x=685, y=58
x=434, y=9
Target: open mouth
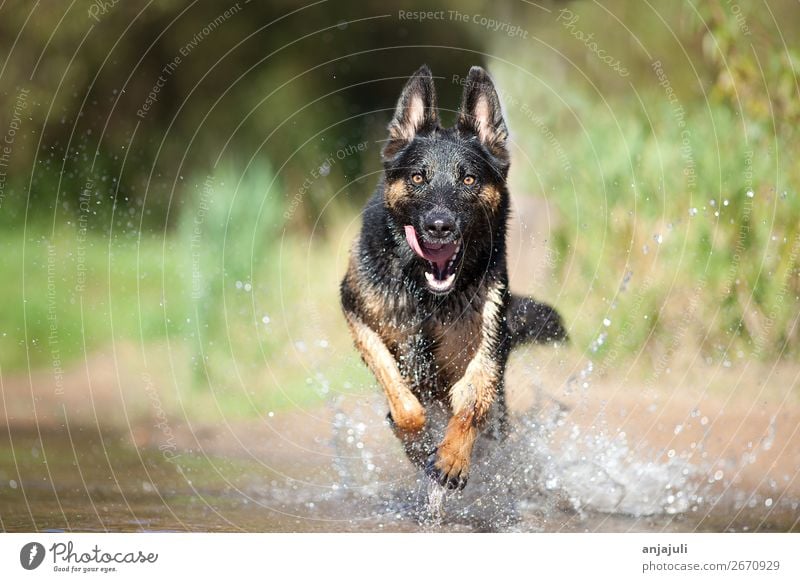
x=442, y=260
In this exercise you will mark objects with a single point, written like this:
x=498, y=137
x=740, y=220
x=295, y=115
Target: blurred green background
x=180, y=182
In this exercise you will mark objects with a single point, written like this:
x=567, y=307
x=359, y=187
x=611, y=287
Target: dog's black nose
x=438, y=224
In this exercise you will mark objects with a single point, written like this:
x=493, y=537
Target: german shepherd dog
x=426, y=291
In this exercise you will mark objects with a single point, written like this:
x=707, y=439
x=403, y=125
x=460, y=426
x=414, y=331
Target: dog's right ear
x=415, y=112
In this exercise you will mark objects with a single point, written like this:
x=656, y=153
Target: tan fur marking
x=372, y=303
x=376, y=306
x=492, y=196
x=395, y=193
x=407, y=412
x=372, y=300
x=454, y=454
x=476, y=388
x=472, y=396
x=456, y=344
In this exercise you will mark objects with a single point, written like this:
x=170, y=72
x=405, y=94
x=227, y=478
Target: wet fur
x=431, y=351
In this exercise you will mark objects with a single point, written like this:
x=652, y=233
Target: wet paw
x=446, y=471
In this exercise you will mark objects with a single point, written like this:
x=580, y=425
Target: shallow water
x=550, y=475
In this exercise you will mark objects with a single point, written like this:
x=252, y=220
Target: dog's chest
x=432, y=344
x=455, y=338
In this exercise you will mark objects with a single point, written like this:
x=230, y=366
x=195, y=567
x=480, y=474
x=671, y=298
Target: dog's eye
x=417, y=178
x=469, y=180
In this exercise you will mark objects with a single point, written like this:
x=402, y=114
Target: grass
x=672, y=237
x=679, y=236
x=246, y=311
x=52, y=309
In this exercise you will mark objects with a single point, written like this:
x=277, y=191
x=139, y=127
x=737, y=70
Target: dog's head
x=446, y=188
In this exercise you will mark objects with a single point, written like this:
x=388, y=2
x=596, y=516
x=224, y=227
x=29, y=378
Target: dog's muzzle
x=442, y=260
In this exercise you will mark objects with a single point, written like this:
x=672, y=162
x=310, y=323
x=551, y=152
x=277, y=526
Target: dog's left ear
x=415, y=112
x=480, y=113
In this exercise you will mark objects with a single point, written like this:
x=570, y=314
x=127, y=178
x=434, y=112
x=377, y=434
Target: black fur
x=432, y=334
x=531, y=321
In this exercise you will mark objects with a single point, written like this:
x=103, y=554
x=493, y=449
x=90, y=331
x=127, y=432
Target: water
x=339, y=469
x=564, y=467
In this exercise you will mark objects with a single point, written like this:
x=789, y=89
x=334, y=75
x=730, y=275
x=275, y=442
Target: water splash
x=548, y=468
x=552, y=468
x=434, y=505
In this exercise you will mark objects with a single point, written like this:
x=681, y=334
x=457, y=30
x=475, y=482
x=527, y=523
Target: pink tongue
x=438, y=254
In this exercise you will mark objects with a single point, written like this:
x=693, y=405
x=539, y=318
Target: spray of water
x=550, y=469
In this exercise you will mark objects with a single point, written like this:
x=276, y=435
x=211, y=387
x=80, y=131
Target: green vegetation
x=671, y=173
x=713, y=255
x=679, y=209
x=244, y=308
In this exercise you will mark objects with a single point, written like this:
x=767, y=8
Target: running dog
x=426, y=291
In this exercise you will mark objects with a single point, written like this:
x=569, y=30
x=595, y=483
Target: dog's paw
x=447, y=470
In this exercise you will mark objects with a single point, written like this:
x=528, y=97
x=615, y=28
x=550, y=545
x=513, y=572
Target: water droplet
x=718, y=476
x=768, y=502
x=769, y=438
x=750, y=193
x=265, y=320
x=606, y=322
x=12, y=484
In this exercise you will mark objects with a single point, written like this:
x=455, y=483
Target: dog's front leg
x=471, y=397
x=408, y=415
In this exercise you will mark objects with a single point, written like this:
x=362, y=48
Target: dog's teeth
x=438, y=285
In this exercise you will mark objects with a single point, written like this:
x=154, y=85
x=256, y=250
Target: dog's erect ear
x=480, y=113
x=415, y=113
